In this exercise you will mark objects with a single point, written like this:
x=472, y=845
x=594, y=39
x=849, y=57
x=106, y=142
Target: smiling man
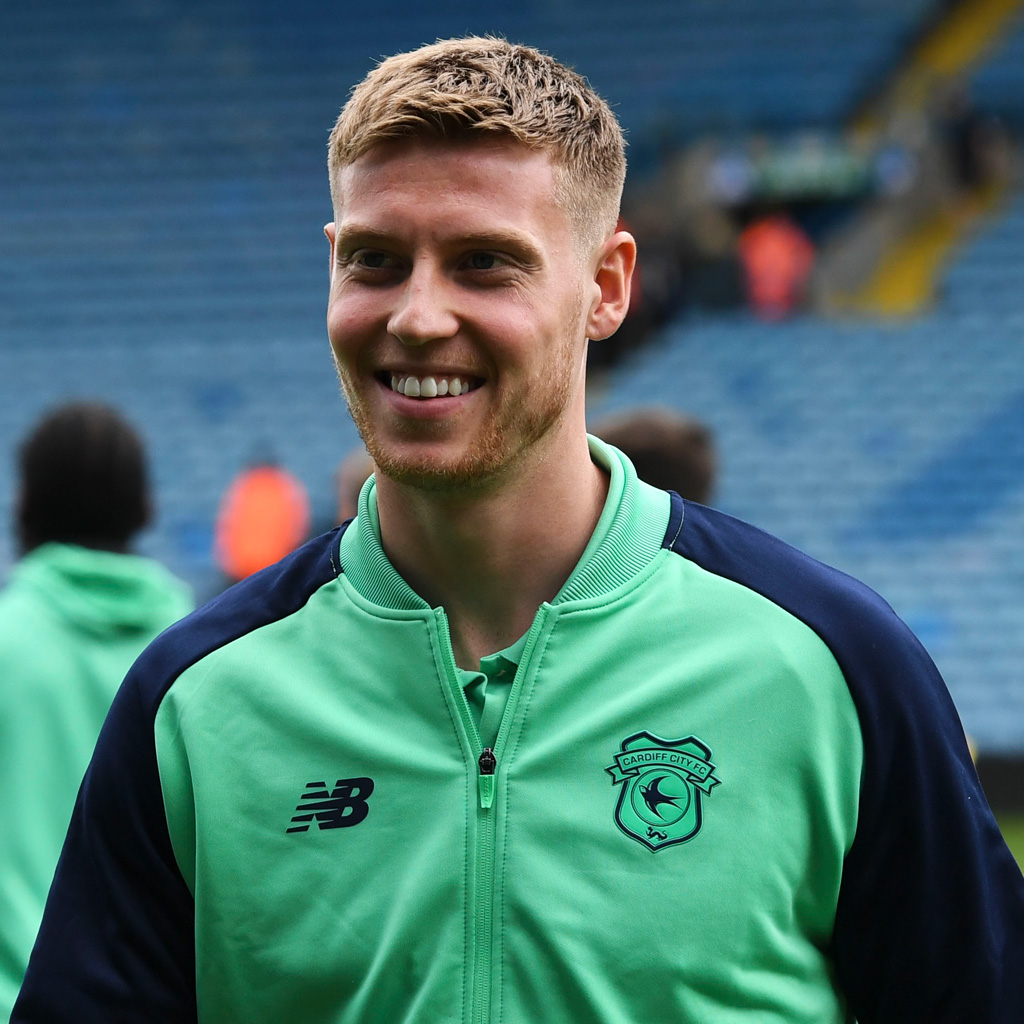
x=528, y=740
x=463, y=294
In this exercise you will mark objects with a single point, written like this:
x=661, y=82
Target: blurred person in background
x=76, y=612
x=529, y=740
x=353, y=471
x=667, y=448
x=263, y=516
x=777, y=258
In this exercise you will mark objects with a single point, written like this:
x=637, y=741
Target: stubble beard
x=513, y=429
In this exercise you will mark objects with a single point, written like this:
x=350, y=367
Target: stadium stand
x=161, y=202
x=998, y=86
x=990, y=274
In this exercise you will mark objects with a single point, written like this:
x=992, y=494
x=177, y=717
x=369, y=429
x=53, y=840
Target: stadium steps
x=964, y=38
x=904, y=277
x=989, y=274
x=998, y=87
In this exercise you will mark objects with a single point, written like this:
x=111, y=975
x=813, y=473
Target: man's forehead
x=488, y=177
x=460, y=160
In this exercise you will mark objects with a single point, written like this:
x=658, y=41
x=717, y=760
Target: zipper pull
x=487, y=763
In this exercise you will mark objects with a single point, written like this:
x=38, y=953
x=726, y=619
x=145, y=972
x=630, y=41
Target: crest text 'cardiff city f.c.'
x=662, y=783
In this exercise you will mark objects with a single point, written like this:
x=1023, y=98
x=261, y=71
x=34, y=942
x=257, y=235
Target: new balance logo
x=341, y=807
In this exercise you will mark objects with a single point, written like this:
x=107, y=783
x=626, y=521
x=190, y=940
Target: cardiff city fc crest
x=662, y=784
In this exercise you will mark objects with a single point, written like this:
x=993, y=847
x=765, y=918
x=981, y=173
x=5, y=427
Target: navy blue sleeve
x=930, y=921
x=117, y=940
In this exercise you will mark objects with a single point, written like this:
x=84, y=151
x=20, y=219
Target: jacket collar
x=628, y=535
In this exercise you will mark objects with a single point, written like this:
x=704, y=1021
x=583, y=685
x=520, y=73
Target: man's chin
x=473, y=470
x=438, y=478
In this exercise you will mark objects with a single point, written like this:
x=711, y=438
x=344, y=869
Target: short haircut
x=455, y=88
x=669, y=450
x=83, y=479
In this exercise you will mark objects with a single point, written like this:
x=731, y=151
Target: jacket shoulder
x=267, y=596
x=930, y=916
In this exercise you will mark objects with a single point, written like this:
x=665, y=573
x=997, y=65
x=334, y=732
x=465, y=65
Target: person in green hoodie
x=77, y=611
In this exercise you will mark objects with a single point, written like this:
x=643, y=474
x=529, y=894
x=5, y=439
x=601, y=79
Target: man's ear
x=613, y=274
x=331, y=232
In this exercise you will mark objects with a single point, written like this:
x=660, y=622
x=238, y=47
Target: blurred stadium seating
x=998, y=85
x=989, y=276
x=162, y=195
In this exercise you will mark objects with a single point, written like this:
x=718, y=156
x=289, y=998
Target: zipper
x=484, y=907
x=482, y=895
x=487, y=764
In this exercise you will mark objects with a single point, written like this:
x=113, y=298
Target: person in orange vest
x=263, y=516
x=777, y=259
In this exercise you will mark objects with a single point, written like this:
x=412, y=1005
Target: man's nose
x=423, y=312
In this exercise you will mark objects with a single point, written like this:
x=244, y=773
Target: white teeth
x=429, y=387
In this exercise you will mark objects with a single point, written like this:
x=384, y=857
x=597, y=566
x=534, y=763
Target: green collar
x=628, y=535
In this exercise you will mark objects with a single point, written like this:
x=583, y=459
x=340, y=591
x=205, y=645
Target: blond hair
x=456, y=87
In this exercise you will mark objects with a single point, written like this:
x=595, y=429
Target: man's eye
x=483, y=261
x=373, y=259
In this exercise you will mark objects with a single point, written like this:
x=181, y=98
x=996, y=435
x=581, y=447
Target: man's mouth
x=432, y=387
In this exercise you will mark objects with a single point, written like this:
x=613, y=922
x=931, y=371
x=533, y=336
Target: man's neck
x=491, y=559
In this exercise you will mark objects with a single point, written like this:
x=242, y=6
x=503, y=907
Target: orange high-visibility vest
x=263, y=516
x=778, y=258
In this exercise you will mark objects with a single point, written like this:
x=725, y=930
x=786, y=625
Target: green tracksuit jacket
x=729, y=787
x=72, y=621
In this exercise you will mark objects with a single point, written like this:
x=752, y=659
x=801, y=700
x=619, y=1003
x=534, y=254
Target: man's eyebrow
x=356, y=234
x=516, y=242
